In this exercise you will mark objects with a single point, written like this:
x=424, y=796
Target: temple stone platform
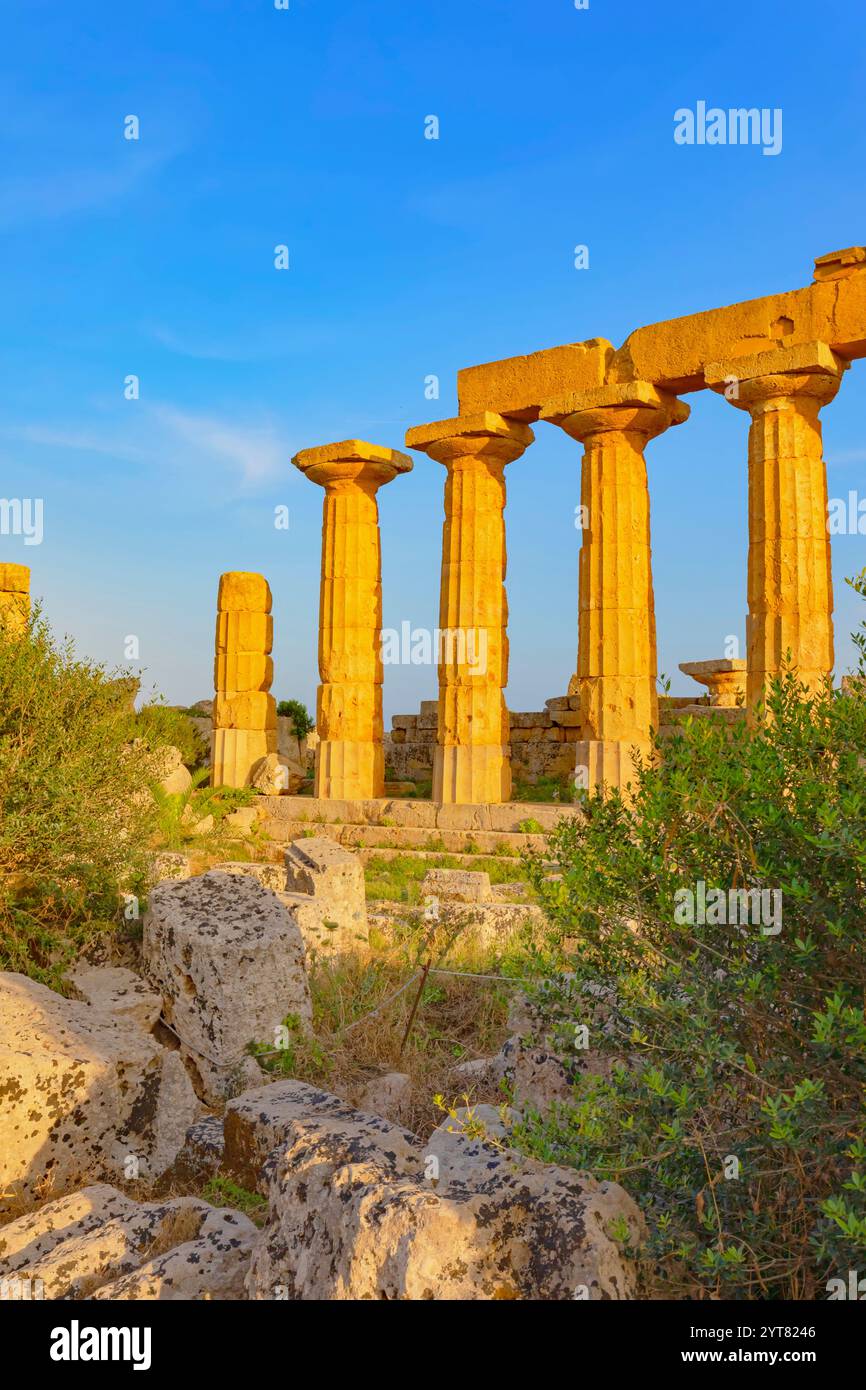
x=400, y=824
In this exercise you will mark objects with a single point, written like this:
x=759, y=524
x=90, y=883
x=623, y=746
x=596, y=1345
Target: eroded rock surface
x=98, y=1243
x=357, y=1210
x=228, y=959
x=118, y=992
x=83, y=1095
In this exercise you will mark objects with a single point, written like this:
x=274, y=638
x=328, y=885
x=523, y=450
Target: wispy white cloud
x=85, y=441
x=245, y=454
x=254, y=452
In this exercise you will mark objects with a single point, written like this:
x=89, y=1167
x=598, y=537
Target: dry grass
x=358, y=1029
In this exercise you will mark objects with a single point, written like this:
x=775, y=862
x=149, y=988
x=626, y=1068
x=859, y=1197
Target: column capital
x=809, y=370
x=627, y=407
x=352, y=461
x=486, y=435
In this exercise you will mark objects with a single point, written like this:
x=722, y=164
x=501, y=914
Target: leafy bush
x=302, y=723
x=178, y=814
x=731, y=1058
x=74, y=802
x=160, y=724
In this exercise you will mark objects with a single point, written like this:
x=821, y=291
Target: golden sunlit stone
x=615, y=681
x=350, y=761
x=471, y=762
x=244, y=713
x=790, y=588
x=14, y=597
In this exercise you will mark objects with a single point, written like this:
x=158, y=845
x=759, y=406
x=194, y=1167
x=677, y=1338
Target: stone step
x=398, y=837
x=505, y=817
x=366, y=853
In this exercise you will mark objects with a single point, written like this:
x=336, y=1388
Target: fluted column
x=14, y=597
x=472, y=759
x=616, y=672
x=350, y=760
x=790, y=587
x=244, y=717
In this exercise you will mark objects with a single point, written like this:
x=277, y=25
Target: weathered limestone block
x=244, y=714
x=457, y=885
x=260, y=1122
x=357, y=1210
x=168, y=866
x=169, y=771
x=201, y=1154
x=349, y=759
x=271, y=876
x=790, y=586
x=428, y=716
x=334, y=878
x=250, y=710
x=388, y=1095
x=272, y=775
x=725, y=679
x=99, y=1244
x=14, y=597
x=463, y=1154
x=674, y=354
x=213, y=1266
x=228, y=959
x=242, y=821
x=471, y=762
x=32, y=1237
x=83, y=1094
x=118, y=992
x=616, y=662
x=517, y=386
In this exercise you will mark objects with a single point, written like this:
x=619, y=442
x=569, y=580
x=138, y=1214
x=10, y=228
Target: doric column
x=244, y=714
x=350, y=760
x=14, y=597
x=471, y=763
x=790, y=589
x=616, y=654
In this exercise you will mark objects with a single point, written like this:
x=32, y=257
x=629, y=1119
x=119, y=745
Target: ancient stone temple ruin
x=14, y=597
x=244, y=712
x=780, y=360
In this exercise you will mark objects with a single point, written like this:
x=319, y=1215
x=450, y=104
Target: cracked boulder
x=83, y=1095
x=359, y=1208
x=228, y=959
x=97, y=1243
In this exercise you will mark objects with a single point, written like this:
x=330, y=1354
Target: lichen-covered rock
x=358, y=1210
x=228, y=959
x=32, y=1237
x=467, y=1145
x=83, y=1095
x=213, y=1266
x=118, y=992
x=268, y=875
x=100, y=1244
x=201, y=1154
x=168, y=866
x=259, y=1122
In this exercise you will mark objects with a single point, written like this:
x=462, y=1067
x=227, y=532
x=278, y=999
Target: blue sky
x=409, y=257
